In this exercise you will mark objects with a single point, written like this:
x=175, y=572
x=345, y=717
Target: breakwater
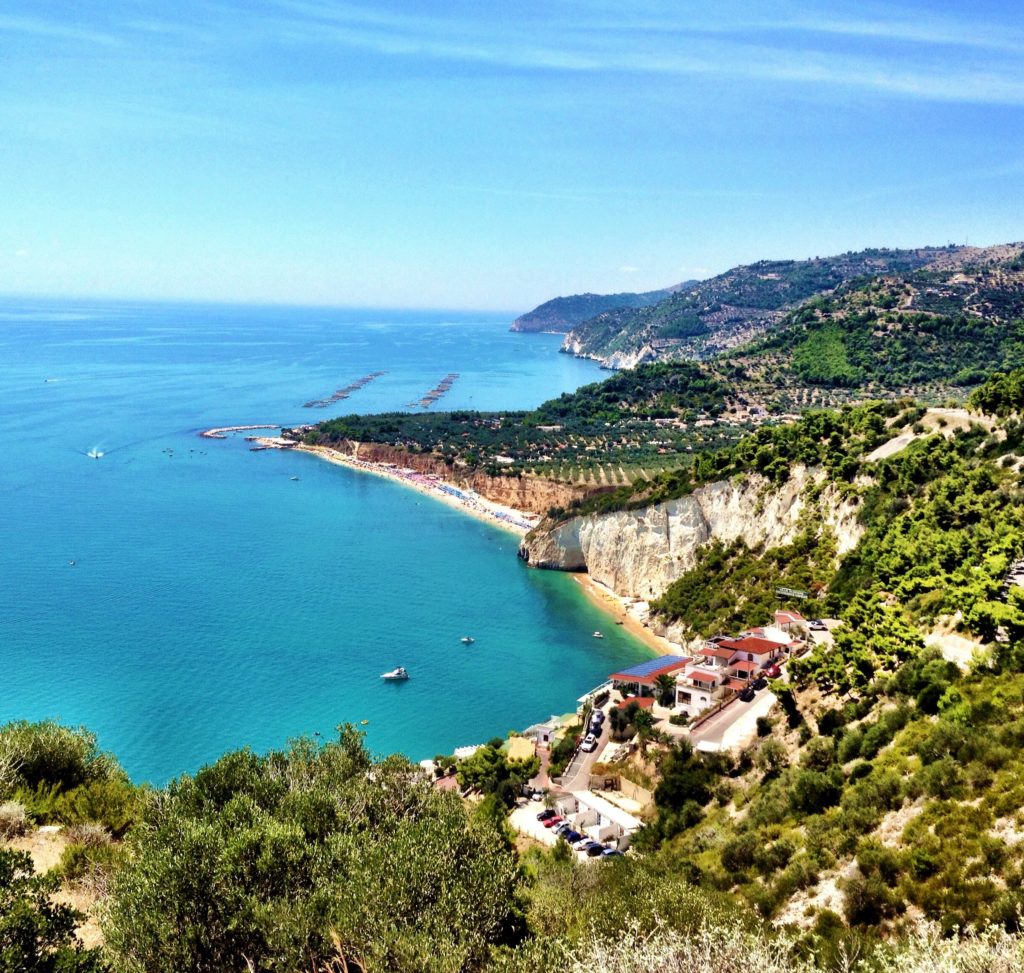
x=343, y=393
x=221, y=432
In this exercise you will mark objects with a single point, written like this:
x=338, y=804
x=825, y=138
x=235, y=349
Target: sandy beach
x=508, y=518
x=619, y=608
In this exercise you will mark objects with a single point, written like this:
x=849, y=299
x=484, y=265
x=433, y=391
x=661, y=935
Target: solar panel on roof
x=648, y=666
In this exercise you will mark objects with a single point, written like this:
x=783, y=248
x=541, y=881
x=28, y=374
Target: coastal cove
x=220, y=597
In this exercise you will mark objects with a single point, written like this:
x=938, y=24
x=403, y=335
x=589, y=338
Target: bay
x=214, y=601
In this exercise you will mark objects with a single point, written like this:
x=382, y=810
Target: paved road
x=731, y=726
x=577, y=774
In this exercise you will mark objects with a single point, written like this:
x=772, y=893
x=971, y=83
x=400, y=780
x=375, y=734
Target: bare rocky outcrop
x=639, y=553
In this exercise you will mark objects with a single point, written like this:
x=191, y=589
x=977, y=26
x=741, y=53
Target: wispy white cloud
x=924, y=33
x=44, y=28
x=700, y=48
x=626, y=269
x=881, y=54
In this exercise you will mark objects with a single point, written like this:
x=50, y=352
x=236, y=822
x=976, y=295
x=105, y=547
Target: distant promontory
x=561, y=314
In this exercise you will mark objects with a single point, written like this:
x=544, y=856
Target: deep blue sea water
x=216, y=603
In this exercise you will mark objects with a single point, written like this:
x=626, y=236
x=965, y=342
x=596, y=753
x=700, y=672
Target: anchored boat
x=395, y=674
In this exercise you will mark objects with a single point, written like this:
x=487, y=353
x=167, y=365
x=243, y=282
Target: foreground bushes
x=54, y=774
x=51, y=755
x=291, y=860
x=727, y=948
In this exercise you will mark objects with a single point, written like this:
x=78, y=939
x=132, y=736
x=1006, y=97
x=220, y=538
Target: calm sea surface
x=214, y=602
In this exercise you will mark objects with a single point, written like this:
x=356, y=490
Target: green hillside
x=562, y=314
x=735, y=306
x=890, y=780
x=926, y=332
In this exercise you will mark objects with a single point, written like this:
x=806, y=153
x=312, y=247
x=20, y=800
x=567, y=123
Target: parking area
x=524, y=820
x=592, y=820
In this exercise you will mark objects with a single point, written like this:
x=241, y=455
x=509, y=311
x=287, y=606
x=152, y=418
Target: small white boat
x=395, y=674
x=294, y=478
x=598, y=635
x=467, y=640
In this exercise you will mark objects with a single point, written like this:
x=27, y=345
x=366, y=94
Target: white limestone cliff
x=639, y=553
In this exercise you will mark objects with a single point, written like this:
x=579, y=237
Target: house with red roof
x=642, y=679
x=721, y=666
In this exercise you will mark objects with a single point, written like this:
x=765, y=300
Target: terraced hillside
x=930, y=333
x=730, y=309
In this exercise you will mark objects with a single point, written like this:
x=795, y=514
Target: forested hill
x=562, y=314
x=888, y=787
x=930, y=332
x=732, y=308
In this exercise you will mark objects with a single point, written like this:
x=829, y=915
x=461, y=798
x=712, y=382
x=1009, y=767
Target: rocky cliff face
x=614, y=360
x=639, y=553
x=530, y=494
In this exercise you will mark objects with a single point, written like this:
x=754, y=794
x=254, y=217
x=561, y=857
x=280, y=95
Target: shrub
x=764, y=726
x=90, y=866
x=13, y=819
x=943, y=779
x=813, y=791
x=771, y=857
x=867, y=901
x=738, y=853
x=37, y=935
x=264, y=857
x=771, y=758
x=849, y=746
x=819, y=754
x=115, y=804
x=90, y=835
x=48, y=754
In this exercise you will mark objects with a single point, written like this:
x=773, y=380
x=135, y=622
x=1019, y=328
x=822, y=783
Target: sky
x=491, y=155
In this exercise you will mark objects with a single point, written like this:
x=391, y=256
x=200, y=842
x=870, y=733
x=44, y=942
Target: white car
x=589, y=743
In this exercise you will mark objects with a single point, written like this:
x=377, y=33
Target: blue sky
x=484, y=155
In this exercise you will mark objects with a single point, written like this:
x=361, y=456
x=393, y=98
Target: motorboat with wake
x=467, y=640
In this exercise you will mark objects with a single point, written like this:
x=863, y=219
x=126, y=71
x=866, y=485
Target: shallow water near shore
x=216, y=602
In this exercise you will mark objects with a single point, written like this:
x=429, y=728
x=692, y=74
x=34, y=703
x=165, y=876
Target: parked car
x=594, y=849
x=553, y=821
x=611, y=853
x=589, y=744
x=571, y=836
x=747, y=694
x=772, y=671
x=563, y=827
x=817, y=625
x=582, y=843
x=545, y=814
x=760, y=683
x=597, y=716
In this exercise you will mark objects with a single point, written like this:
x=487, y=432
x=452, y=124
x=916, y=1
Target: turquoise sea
x=215, y=602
